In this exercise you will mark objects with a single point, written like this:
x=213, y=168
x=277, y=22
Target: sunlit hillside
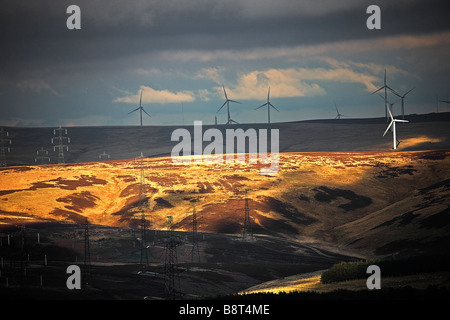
x=311, y=195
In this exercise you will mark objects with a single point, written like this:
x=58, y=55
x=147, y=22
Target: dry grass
x=107, y=193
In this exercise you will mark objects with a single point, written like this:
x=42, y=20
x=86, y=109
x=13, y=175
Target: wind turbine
x=437, y=103
x=338, y=114
x=227, y=102
x=268, y=104
x=394, y=133
x=390, y=104
x=140, y=108
x=385, y=87
x=403, y=102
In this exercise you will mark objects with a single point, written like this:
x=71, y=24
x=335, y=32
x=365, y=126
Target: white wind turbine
x=140, y=108
x=394, y=133
x=390, y=104
x=386, y=87
x=268, y=104
x=227, y=102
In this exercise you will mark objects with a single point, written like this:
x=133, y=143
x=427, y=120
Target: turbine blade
x=234, y=101
x=393, y=91
x=146, y=112
x=268, y=94
x=273, y=107
x=140, y=100
x=378, y=90
x=444, y=101
x=134, y=110
x=390, y=124
x=390, y=113
x=398, y=120
x=222, y=106
x=261, y=106
x=408, y=92
x=225, y=92
x=382, y=97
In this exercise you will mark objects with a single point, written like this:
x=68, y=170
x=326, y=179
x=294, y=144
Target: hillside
x=340, y=193
x=315, y=197
x=423, y=132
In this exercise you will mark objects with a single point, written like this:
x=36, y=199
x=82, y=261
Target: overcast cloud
x=310, y=53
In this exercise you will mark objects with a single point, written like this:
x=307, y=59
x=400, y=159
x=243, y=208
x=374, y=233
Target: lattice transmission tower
x=171, y=280
x=41, y=156
x=142, y=206
x=24, y=255
x=87, y=254
x=4, y=140
x=144, y=247
x=61, y=138
x=195, y=248
x=247, y=228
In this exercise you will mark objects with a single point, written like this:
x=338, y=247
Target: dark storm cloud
x=47, y=70
x=35, y=31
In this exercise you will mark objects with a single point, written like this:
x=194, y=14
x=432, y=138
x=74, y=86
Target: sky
x=314, y=56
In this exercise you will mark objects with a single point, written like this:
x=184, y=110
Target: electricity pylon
x=141, y=208
x=195, y=249
x=87, y=253
x=24, y=255
x=61, y=139
x=144, y=253
x=171, y=280
x=3, y=148
x=41, y=155
x=247, y=228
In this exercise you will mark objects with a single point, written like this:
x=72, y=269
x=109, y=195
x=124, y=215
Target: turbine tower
x=140, y=108
x=403, y=102
x=268, y=104
x=227, y=102
x=385, y=87
x=394, y=133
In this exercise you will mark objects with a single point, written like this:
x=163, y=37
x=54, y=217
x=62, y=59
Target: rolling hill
x=340, y=193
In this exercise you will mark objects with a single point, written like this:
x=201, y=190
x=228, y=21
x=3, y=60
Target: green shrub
x=344, y=271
